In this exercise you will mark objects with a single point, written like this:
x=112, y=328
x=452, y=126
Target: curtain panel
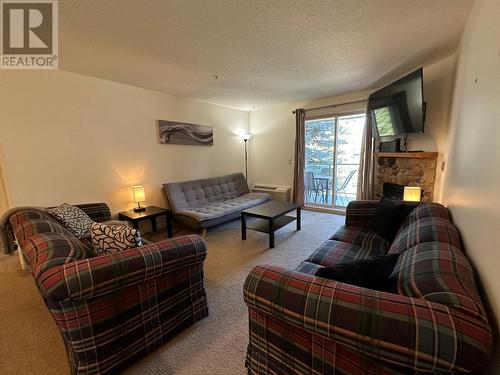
x=366, y=162
x=298, y=168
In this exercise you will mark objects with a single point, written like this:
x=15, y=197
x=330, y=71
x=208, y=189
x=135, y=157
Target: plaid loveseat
x=112, y=309
x=434, y=324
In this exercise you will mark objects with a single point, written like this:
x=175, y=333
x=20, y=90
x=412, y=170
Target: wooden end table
x=151, y=213
x=272, y=215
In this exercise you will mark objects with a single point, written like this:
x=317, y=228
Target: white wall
x=66, y=137
x=273, y=129
x=472, y=180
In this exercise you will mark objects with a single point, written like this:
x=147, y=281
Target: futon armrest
x=410, y=332
x=360, y=213
x=103, y=274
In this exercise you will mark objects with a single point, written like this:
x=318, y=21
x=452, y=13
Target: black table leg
x=298, y=217
x=271, y=234
x=153, y=224
x=169, y=226
x=135, y=224
x=243, y=227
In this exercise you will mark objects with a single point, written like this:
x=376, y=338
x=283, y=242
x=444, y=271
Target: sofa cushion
x=334, y=252
x=47, y=250
x=73, y=218
x=30, y=227
x=365, y=237
x=186, y=195
x=427, y=229
x=218, y=209
x=426, y=209
x=439, y=272
x=373, y=272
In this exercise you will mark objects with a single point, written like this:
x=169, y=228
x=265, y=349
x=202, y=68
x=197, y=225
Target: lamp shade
x=412, y=194
x=139, y=193
x=246, y=137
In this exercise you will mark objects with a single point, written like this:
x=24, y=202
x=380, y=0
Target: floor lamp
x=246, y=137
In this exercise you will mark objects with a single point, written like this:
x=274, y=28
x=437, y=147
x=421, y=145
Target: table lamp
x=139, y=197
x=412, y=194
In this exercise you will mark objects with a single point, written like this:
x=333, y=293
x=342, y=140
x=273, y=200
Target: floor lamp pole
x=246, y=161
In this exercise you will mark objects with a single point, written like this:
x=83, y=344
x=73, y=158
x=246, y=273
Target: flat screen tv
x=399, y=107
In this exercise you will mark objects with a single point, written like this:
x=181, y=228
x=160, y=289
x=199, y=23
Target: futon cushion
x=365, y=237
x=73, y=218
x=218, y=209
x=427, y=229
x=388, y=217
x=372, y=273
x=109, y=239
x=439, y=272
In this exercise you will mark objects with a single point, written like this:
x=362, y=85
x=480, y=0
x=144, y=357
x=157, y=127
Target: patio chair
x=312, y=186
x=341, y=189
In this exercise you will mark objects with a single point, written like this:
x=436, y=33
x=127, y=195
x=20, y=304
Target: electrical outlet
x=443, y=165
x=289, y=161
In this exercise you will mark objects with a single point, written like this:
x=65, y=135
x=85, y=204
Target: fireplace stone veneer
x=408, y=169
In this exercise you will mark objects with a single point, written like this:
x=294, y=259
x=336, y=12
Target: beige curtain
x=298, y=168
x=366, y=163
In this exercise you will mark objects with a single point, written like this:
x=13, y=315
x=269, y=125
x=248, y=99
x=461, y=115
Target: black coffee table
x=272, y=216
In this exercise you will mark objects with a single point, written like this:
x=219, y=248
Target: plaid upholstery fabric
x=47, y=250
x=362, y=236
x=360, y=213
x=334, y=252
x=113, y=309
x=427, y=229
x=409, y=333
x=441, y=273
x=97, y=211
x=426, y=209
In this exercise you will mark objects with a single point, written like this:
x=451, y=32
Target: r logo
x=27, y=28
x=29, y=37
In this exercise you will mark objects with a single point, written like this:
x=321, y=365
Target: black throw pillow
x=389, y=216
x=371, y=273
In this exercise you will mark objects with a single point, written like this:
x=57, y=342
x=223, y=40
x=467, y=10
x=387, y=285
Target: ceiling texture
x=251, y=54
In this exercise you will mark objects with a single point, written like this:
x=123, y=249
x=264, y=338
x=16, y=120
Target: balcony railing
x=321, y=189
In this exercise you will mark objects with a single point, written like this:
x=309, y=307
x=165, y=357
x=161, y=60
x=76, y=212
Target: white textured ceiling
x=263, y=51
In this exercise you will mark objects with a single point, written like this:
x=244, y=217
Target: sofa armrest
x=104, y=274
x=409, y=332
x=98, y=212
x=360, y=213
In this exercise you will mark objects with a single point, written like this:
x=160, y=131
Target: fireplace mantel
x=406, y=169
x=409, y=154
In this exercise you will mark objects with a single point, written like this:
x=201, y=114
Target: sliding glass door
x=332, y=154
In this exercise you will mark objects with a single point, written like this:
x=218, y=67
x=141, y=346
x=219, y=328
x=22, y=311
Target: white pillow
x=109, y=239
x=72, y=218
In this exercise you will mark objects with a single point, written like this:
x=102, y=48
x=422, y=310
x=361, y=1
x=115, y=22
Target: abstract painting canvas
x=181, y=133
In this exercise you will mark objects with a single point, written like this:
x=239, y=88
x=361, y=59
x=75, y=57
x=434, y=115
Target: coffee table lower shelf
x=262, y=225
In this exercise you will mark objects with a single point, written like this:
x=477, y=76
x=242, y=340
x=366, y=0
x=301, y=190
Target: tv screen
x=398, y=108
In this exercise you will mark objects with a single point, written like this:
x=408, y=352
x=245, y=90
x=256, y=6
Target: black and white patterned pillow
x=109, y=239
x=72, y=218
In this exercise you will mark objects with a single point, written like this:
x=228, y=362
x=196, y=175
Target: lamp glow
x=139, y=197
x=246, y=137
x=412, y=194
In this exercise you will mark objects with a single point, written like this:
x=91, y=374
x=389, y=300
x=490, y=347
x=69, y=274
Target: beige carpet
x=30, y=342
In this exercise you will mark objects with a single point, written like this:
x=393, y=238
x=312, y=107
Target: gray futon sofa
x=212, y=201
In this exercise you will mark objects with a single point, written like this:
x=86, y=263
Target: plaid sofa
x=112, y=309
x=434, y=324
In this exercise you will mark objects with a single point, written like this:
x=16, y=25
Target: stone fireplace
x=406, y=169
